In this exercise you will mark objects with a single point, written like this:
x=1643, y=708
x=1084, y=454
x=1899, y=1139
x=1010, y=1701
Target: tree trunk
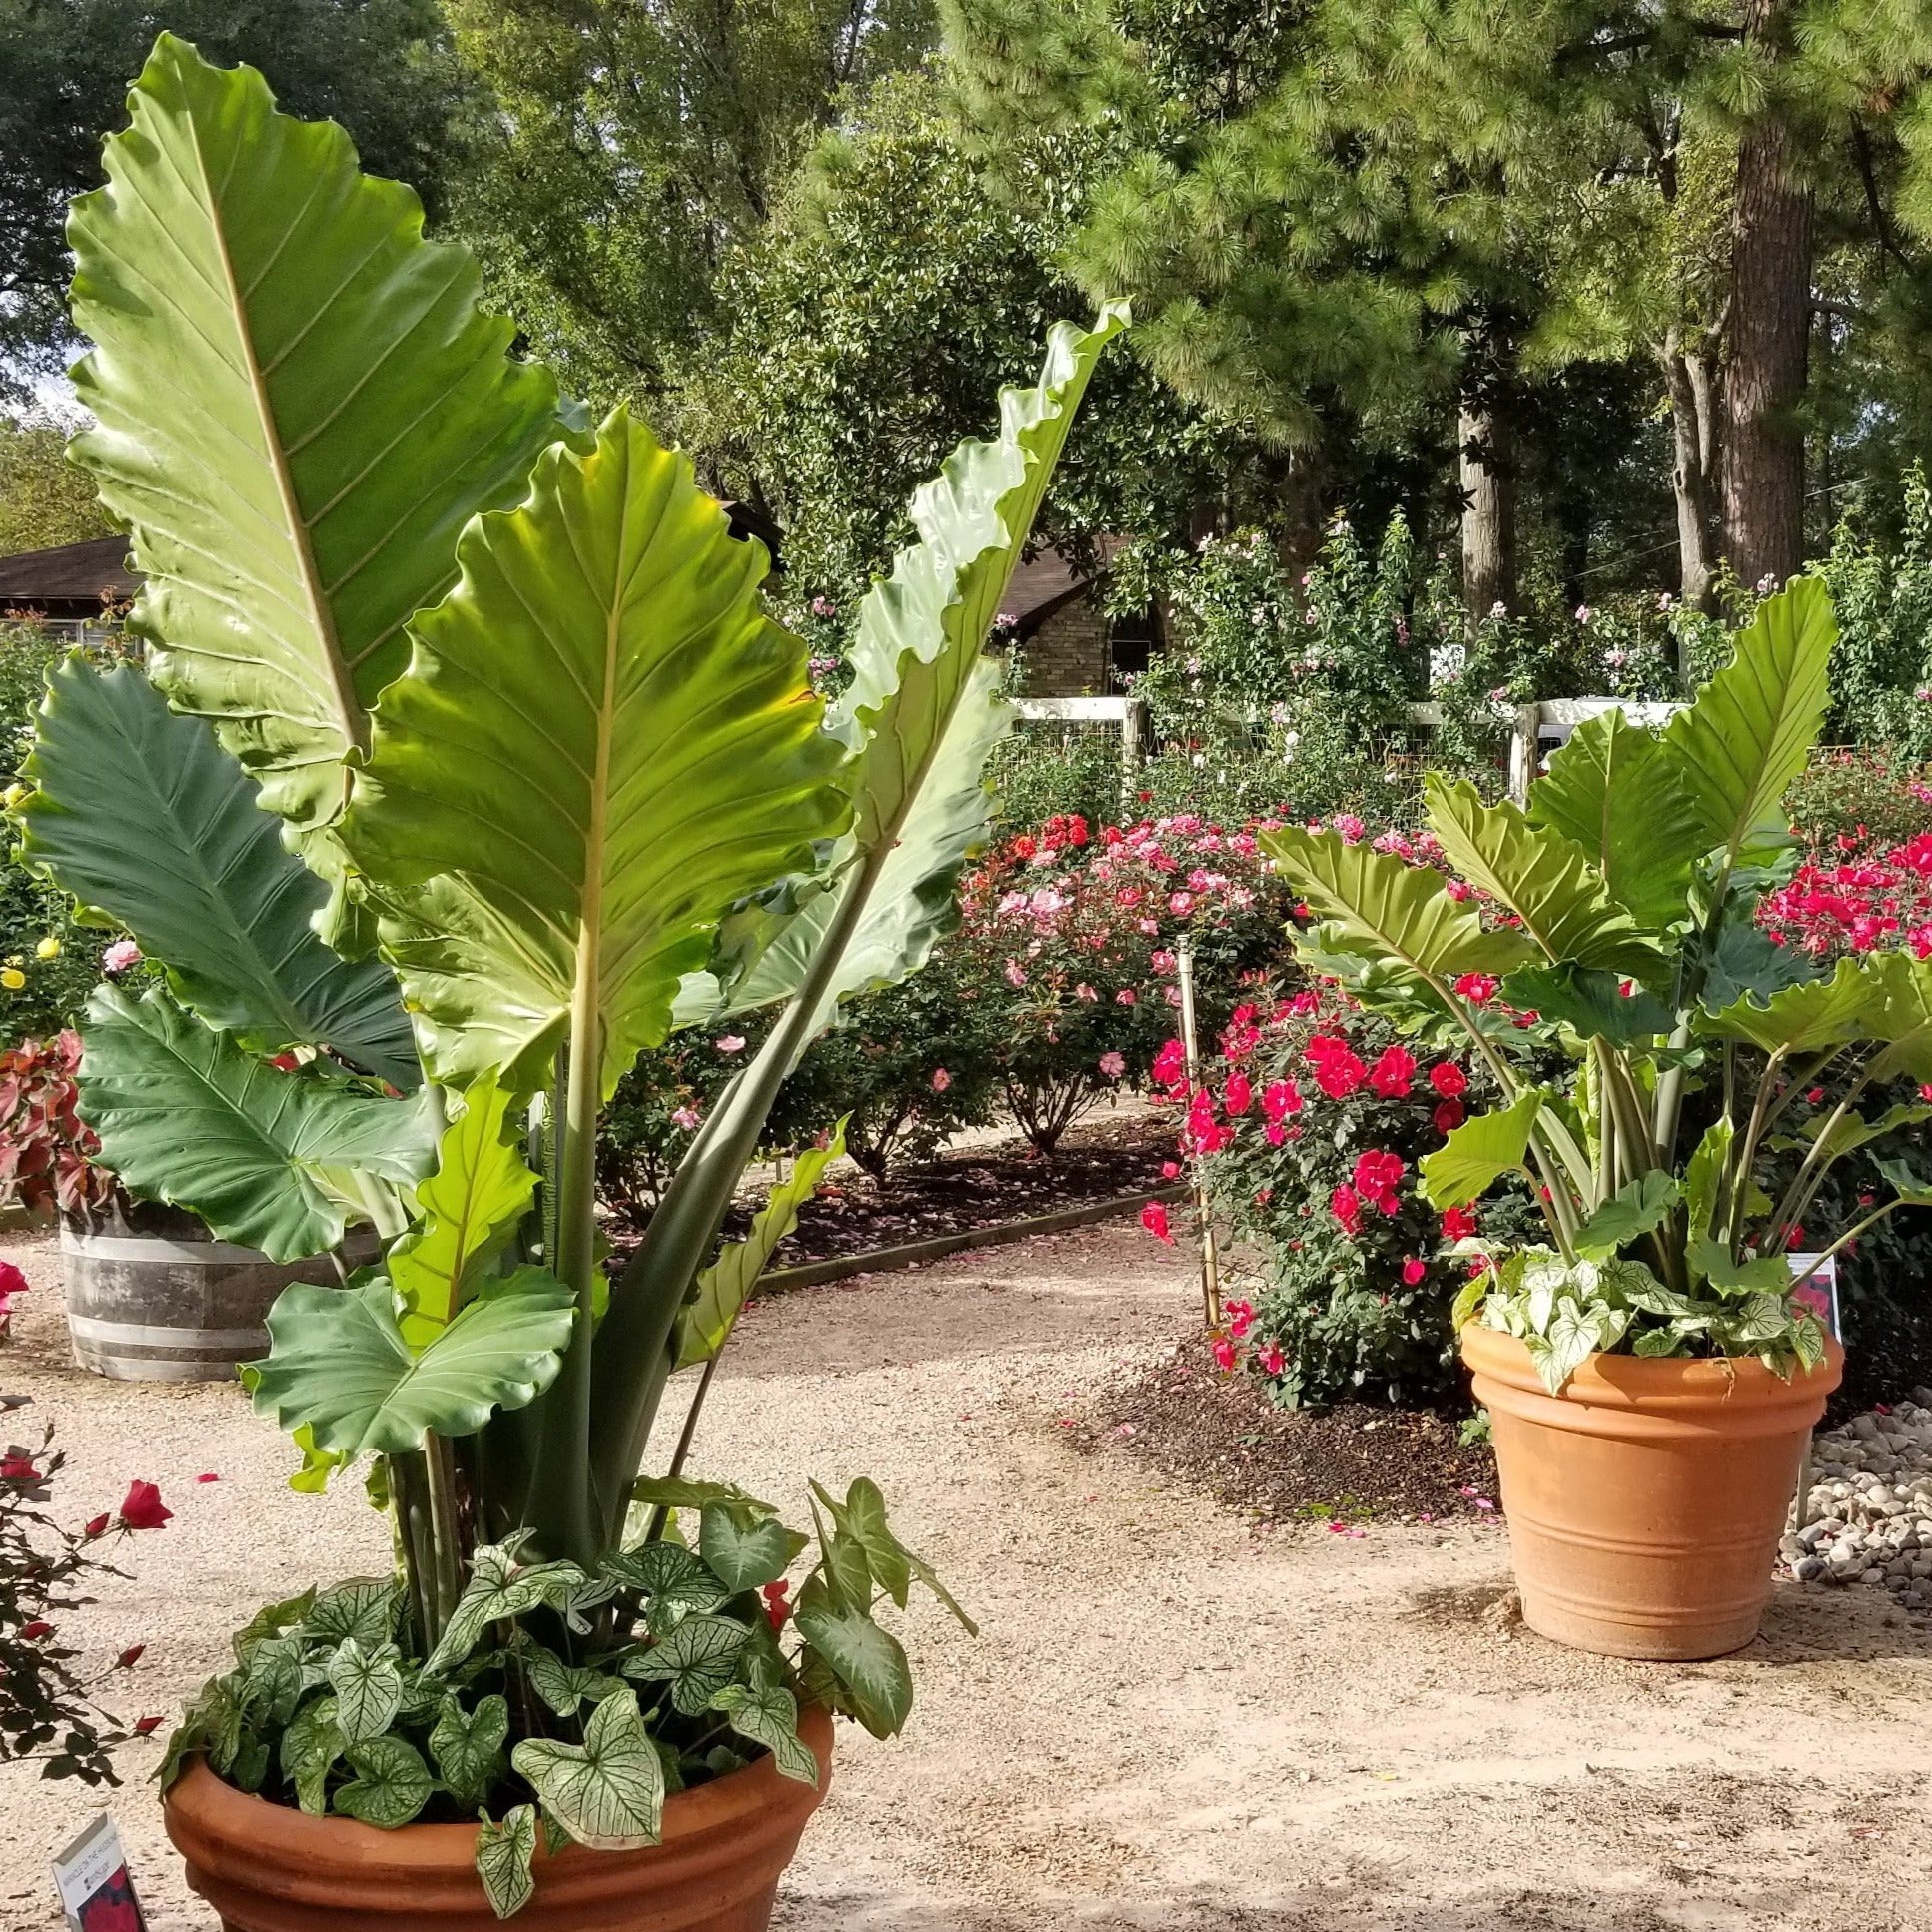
x=1691, y=382
x=1771, y=243
x=1489, y=480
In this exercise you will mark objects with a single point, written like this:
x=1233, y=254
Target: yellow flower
x=14, y=794
x=13, y=979
x=49, y=948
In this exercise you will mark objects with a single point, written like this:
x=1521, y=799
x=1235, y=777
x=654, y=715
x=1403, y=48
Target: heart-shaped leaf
x=339, y=1364
x=564, y=1687
x=674, y=1581
x=742, y=1554
x=503, y=1855
x=498, y=1592
x=868, y=1661
x=608, y=1793
x=310, y=1749
x=365, y=1609
x=697, y=1660
x=469, y=1747
x=392, y=1783
x=368, y=1687
x=768, y=1715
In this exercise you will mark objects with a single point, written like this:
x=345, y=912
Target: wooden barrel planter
x=153, y=1296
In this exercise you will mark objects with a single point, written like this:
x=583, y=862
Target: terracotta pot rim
x=221, y=1810
x=1634, y=1381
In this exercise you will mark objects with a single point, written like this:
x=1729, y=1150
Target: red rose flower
x=1448, y=1116
x=1449, y=1079
x=1393, y=1072
x=142, y=1508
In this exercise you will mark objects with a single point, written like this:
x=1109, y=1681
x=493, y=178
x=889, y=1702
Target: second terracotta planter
x=265, y=1868
x=1645, y=1501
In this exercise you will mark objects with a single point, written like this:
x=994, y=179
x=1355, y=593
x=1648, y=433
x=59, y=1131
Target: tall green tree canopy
x=626, y=149
x=383, y=68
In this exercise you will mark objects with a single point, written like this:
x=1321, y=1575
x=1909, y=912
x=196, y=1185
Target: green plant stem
x=681, y=1455
x=1818, y=1158
x=1744, y=1158
x=409, y=1498
x=446, y=1532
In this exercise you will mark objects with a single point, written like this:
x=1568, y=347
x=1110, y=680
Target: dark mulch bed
x=1219, y=1434
x=1103, y=1157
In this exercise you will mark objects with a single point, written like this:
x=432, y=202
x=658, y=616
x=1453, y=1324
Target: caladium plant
x=1613, y=923
x=468, y=764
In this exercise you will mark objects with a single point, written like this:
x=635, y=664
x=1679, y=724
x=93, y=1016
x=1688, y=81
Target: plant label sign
x=1820, y=1293
x=95, y=1889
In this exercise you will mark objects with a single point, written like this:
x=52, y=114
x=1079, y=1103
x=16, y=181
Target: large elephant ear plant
x=1616, y=918
x=469, y=763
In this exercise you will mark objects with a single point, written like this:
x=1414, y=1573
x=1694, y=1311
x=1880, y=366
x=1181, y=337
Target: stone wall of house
x=1067, y=655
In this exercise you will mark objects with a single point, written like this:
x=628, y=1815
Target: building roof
x=70, y=580
x=1046, y=581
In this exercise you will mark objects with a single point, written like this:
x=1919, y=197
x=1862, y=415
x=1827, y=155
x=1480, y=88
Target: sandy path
x=1170, y=1721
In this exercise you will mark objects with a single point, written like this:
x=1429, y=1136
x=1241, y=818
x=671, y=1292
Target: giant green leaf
x=705, y=1323
x=608, y=1793
x=601, y=745
x=339, y=1363
x=1392, y=910
x=1479, y=1152
x=1544, y=878
x=298, y=405
x=186, y=1115
x=469, y=1206
x=1609, y=791
x=1750, y=734
x=914, y=724
x=1591, y=1000
x=1805, y=1017
x=153, y=827
x=1904, y=1017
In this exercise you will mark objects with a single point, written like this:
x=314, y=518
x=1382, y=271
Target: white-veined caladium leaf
x=501, y=1589
x=504, y=1852
x=672, y=1581
x=768, y=1715
x=1479, y=1152
x=366, y=1609
x=521, y=873
x=469, y=1747
x=609, y=1791
x=338, y=1361
x=698, y=1659
x=868, y=1662
x=392, y=1783
x=298, y=405
x=705, y=1322
x=368, y=1686
x=469, y=1206
x=310, y=1749
x=151, y=827
x=186, y=1115
x=564, y=1687
x=1737, y=749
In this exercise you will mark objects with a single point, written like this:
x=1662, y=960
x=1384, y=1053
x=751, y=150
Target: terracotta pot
x=267, y=1868
x=1646, y=1500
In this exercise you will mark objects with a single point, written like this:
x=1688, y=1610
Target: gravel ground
x=1175, y=1718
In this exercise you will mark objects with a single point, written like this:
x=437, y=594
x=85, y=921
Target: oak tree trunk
x=1771, y=244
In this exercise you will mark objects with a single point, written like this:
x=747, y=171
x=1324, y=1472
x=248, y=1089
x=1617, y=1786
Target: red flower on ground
x=147, y=1727
x=142, y=1508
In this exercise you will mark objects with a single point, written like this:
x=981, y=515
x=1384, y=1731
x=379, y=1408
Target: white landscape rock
x=1868, y=1516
